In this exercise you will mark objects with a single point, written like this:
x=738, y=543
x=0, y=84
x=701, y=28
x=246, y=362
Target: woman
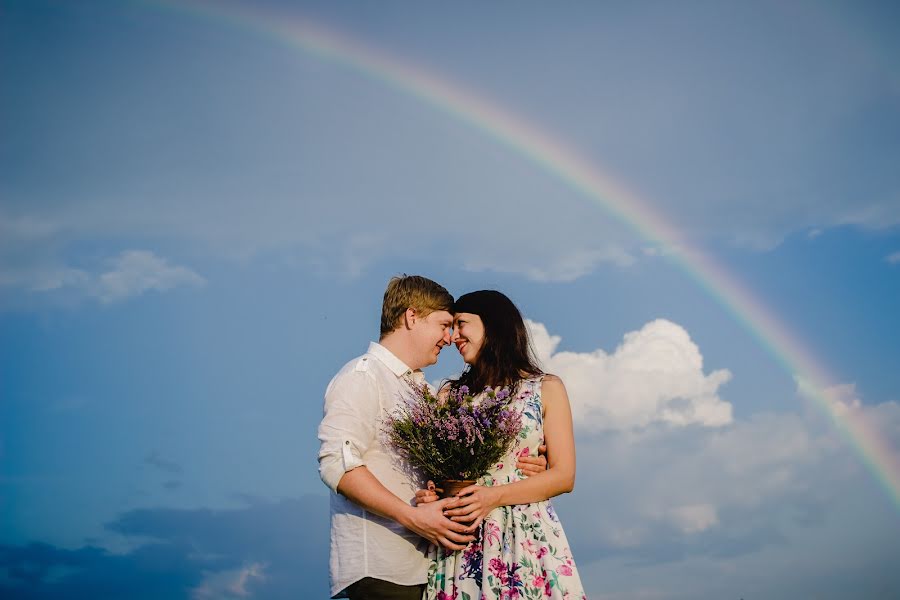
x=520, y=550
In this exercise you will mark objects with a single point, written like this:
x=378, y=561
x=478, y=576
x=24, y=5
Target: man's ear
x=409, y=318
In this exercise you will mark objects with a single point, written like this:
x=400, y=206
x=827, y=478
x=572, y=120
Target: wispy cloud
x=264, y=550
x=137, y=271
x=167, y=466
x=893, y=258
x=230, y=584
x=556, y=265
x=284, y=186
x=127, y=275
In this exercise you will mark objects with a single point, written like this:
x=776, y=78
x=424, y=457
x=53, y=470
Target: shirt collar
x=390, y=360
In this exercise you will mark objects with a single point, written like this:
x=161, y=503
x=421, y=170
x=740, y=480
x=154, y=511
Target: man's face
x=432, y=333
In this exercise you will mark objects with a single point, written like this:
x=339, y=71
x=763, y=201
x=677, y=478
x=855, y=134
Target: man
x=377, y=529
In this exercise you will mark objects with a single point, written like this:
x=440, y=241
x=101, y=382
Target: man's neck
x=399, y=348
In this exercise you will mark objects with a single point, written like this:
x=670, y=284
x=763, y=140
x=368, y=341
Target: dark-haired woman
x=521, y=550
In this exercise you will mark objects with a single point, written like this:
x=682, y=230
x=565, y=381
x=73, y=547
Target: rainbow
x=553, y=156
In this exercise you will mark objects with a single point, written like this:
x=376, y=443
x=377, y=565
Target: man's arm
x=427, y=520
x=347, y=428
x=346, y=432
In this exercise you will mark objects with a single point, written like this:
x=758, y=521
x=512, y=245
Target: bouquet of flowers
x=455, y=436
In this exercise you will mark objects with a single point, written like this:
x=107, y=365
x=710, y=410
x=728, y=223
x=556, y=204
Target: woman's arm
x=476, y=501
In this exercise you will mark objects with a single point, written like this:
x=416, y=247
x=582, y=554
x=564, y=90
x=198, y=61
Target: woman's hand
x=427, y=495
x=473, y=504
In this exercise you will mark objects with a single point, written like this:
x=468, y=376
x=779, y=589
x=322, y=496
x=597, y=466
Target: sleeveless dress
x=521, y=551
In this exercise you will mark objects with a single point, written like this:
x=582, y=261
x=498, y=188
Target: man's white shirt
x=364, y=544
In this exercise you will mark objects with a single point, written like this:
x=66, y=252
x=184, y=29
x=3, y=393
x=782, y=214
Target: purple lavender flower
x=456, y=434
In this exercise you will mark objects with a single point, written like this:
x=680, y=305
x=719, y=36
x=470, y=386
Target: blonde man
x=377, y=531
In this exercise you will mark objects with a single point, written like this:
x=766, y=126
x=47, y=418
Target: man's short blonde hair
x=412, y=291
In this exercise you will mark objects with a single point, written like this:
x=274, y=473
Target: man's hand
x=532, y=465
x=428, y=520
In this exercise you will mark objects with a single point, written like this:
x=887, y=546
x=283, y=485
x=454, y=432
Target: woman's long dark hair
x=505, y=356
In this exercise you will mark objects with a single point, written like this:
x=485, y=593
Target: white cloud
x=579, y=263
x=137, y=271
x=694, y=518
x=25, y=227
x=843, y=398
x=54, y=279
x=654, y=376
x=893, y=258
x=559, y=265
x=710, y=498
x=231, y=584
x=655, y=495
x=129, y=274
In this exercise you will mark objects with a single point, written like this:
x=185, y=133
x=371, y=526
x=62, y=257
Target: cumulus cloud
x=667, y=475
x=668, y=494
x=664, y=500
x=654, y=376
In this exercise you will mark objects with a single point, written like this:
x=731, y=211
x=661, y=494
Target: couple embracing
x=499, y=538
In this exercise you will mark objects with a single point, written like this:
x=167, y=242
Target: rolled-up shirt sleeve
x=348, y=426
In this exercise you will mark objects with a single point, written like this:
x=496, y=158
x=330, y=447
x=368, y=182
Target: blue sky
x=197, y=223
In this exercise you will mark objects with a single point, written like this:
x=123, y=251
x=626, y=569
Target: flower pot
x=450, y=487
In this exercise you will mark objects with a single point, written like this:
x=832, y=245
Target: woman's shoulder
x=551, y=381
x=539, y=377
x=552, y=387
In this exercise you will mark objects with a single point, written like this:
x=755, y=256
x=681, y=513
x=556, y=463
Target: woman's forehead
x=464, y=316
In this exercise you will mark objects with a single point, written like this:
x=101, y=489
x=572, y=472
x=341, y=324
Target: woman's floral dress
x=521, y=551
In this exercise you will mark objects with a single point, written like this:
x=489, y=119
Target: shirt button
x=347, y=442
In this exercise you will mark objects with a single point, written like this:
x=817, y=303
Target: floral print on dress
x=521, y=551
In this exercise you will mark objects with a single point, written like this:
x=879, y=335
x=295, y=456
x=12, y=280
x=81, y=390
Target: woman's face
x=468, y=335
